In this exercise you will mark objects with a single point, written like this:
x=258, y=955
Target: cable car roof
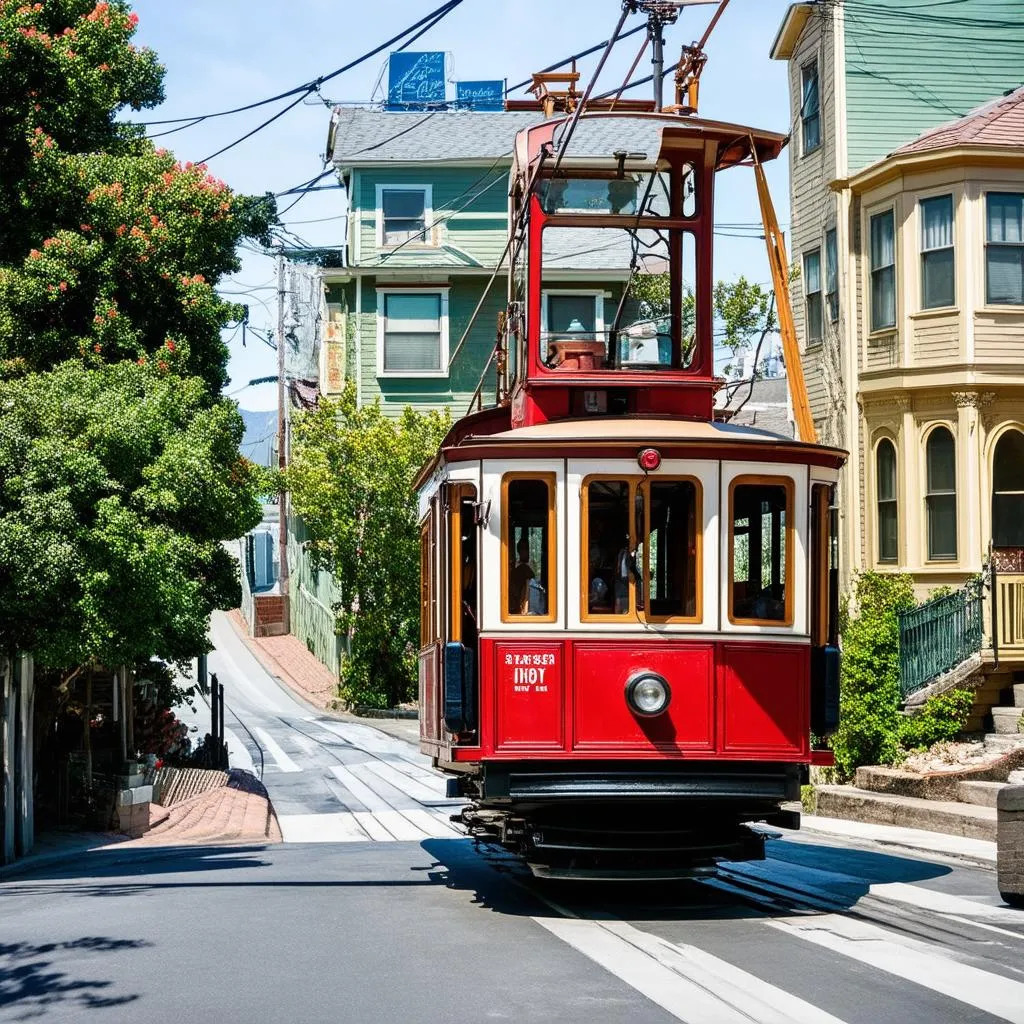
x=645, y=138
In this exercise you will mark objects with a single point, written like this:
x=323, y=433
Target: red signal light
x=649, y=459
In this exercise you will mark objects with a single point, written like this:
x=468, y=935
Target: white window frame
x=442, y=291
x=816, y=297
x=597, y=295
x=429, y=240
x=924, y=197
x=804, y=116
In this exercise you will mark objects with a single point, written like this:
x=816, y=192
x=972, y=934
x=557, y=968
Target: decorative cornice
x=973, y=399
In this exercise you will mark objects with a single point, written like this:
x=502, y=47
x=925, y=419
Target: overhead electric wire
x=433, y=18
x=575, y=56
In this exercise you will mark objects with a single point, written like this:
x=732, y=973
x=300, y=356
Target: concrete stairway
x=1006, y=717
x=959, y=803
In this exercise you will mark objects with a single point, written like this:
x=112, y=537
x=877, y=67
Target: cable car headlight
x=648, y=694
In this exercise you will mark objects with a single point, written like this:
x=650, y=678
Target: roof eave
x=890, y=167
x=790, y=30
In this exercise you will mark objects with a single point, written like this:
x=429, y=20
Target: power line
x=433, y=18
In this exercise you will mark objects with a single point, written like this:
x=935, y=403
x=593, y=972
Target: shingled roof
x=364, y=136
x=1000, y=122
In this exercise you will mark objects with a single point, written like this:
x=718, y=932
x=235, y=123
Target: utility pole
x=282, y=442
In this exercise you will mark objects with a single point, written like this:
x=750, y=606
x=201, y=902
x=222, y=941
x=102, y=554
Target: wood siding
x=935, y=341
x=813, y=212
x=472, y=237
x=899, y=77
x=999, y=338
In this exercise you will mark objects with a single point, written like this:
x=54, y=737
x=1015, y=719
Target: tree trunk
x=88, y=730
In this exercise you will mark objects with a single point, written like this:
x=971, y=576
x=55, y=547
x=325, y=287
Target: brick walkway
x=288, y=658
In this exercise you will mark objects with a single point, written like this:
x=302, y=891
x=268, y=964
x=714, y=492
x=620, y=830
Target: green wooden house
x=427, y=203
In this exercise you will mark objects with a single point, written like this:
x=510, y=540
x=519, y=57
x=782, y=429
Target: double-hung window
x=937, y=280
x=1004, y=248
x=810, y=110
x=831, y=276
x=883, y=271
x=404, y=215
x=812, y=295
x=412, y=332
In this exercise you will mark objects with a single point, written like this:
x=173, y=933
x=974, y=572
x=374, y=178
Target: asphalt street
x=391, y=916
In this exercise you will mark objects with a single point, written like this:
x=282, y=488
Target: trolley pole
x=282, y=441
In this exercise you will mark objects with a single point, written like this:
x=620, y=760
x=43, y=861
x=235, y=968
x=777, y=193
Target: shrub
x=941, y=718
x=869, y=728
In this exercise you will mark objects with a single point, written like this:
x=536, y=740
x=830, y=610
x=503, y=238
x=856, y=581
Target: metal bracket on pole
x=783, y=303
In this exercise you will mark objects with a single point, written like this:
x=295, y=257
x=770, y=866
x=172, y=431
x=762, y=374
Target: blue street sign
x=415, y=80
x=481, y=95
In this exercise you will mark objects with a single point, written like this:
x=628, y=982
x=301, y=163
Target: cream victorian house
x=937, y=309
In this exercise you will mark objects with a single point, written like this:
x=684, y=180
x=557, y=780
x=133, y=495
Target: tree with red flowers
x=119, y=465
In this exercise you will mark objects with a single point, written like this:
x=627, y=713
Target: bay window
x=940, y=501
x=885, y=499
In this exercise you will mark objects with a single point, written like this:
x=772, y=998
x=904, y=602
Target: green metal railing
x=938, y=636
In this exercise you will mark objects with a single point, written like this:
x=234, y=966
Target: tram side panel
x=740, y=689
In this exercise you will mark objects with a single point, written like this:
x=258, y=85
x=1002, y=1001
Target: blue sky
x=225, y=53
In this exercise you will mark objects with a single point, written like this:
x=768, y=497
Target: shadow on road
x=842, y=875
x=32, y=982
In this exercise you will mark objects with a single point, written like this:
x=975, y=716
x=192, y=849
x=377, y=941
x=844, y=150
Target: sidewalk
x=289, y=661
x=910, y=840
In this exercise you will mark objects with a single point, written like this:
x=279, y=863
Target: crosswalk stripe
x=929, y=966
x=398, y=825
x=430, y=795
x=273, y=748
x=341, y=827
x=680, y=979
x=944, y=902
x=238, y=752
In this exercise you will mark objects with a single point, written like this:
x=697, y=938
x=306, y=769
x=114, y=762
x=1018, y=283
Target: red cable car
x=628, y=607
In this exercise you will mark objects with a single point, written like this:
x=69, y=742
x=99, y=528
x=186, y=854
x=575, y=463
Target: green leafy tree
x=351, y=479
x=119, y=465
x=118, y=484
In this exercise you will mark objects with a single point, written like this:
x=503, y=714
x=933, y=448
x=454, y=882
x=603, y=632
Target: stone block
x=1010, y=844
x=1018, y=695
x=1006, y=721
x=134, y=796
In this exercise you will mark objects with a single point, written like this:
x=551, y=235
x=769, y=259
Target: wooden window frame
x=459, y=492
x=551, y=479
x=635, y=482
x=989, y=245
x=752, y=479
x=876, y=325
x=814, y=299
x=930, y=558
x=806, y=70
x=427, y=239
x=879, y=500
x=428, y=584
x=831, y=258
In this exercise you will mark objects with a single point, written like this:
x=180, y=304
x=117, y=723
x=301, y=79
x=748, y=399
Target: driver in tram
x=519, y=580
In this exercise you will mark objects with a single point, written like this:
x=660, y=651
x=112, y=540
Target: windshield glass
x=607, y=299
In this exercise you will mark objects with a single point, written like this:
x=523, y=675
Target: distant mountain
x=260, y=431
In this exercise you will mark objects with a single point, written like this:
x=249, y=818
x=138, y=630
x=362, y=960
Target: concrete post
x=1010, y=845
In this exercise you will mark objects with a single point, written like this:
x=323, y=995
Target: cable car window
x=613, y=194
x=672, y=549
x=641, y=549
x=609, y=547
x=528, y=543
x=760, y=552
x=632, y=315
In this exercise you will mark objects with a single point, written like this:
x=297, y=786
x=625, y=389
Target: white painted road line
x=398, y=825
x=342, y=827
x=945, y=903
x=273, y=748
x=680, y=979
x=238, y=752
x=929, y=966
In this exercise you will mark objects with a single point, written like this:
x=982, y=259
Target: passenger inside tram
x=529, y=505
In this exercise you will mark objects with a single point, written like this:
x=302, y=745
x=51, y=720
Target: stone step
x=984, y=794
x=1004, y=743
x=1018, y=695
x=956, y=819
x=1006, y=721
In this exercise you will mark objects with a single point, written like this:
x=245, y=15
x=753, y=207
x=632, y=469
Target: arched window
x=941, y=497
x=888, y=516
x=1008, y=491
